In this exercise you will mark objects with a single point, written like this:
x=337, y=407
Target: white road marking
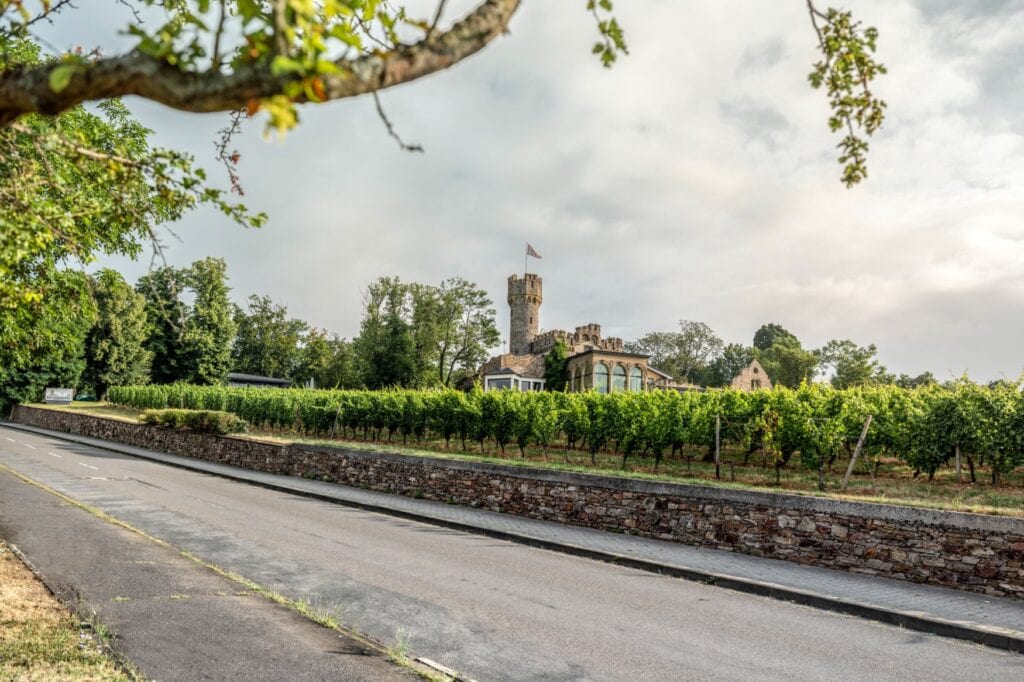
x=54, y=454
x=11, y=439
x=88, y=465
x=97, y=478
x=30, y=447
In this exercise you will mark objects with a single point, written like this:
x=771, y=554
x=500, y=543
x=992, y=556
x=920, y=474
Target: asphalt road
x=492, y=609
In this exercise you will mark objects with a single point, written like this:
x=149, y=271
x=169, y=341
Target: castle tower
x=524, y=299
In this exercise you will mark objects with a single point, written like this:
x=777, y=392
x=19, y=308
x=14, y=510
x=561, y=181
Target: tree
x=733, y=359
x=267, y=341
x=42, y=342
x=83, y=183
x=685, y=354
x=852, y=365
x=115, y=353
x=189, y=343
x=211, y=328
x=923, y=379
x=328, y=362
x=787, y=363
x=556, y=363
x=465, y=329
x=230, y=55
x=768, y=334
x=166, y=316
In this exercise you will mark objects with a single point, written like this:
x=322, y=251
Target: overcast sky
x=695, y=180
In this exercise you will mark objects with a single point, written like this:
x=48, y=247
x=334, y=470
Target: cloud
x=695, y=180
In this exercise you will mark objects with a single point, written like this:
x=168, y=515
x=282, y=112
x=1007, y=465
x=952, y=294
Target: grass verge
x=41, y=640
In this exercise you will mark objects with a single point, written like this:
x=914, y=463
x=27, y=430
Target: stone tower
x=524, y=299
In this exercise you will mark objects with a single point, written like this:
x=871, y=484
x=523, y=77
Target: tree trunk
x=970, y=468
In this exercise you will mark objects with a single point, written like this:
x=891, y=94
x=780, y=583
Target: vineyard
x=970, y=428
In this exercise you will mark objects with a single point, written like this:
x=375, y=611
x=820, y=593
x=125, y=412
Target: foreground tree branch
x=32, y=89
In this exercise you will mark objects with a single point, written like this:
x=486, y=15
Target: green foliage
x=267, y=341
x=853, y=365
x=556, y=367
x=189, y=343
x=685, y=354
x=115, y=350
x=419, y=335
x=786, y=361
x=922, y=427
x=723, y=369
x=42, y=341
x=85, y=183
x=846, y=71
x=200, y=421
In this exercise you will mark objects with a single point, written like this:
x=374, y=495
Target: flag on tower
x=530, y=251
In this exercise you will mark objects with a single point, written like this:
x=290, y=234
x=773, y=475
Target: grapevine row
x=923, y=427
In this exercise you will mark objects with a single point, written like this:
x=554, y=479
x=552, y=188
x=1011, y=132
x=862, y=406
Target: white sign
x=59, y=396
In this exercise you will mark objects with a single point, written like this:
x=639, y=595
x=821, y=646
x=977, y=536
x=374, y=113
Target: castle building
x=593, y=362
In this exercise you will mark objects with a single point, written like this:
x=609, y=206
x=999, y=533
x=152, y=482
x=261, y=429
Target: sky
x=696, y=180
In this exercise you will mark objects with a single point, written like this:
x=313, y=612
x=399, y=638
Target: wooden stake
x=856, y=452
x=959, y=478
x=718, y=446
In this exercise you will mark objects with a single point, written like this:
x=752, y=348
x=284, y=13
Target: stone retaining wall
x=952, y=549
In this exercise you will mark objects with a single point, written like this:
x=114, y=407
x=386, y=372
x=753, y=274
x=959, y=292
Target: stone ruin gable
x=752, y=377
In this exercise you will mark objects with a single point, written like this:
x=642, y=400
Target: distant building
x=751, y=378
x=597, y=363
x=236, y=380
x=593, y=362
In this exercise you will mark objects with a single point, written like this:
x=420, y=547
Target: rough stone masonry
x=972, y=552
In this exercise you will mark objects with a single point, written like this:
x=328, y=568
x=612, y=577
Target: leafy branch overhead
x=270, y=55
x=846, y=71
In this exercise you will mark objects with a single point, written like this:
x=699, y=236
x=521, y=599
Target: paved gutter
x=992, y=621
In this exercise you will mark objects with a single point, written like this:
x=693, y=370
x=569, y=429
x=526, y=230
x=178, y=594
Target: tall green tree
x=766, y=336
x=115, y=352
x=167, y=317
x=329, y=361
x=465, y=328
x=211, y=328
x=42, y=342
x=267, y=341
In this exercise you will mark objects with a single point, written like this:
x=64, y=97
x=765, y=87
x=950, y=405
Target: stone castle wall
x=965, y=551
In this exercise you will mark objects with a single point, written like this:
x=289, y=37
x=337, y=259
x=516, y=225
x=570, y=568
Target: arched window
x=636, y=381
x=618, y=378
x=601, y=377
x=577, y=380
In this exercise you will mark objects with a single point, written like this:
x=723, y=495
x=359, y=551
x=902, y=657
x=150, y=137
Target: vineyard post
x=337, y=414
x=856, y=452
x=718, y=446
x=959, y=478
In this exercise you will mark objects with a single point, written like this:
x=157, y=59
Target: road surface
x=492, y=609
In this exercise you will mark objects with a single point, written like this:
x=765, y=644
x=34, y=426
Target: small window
x=755, y=370
x=497, y=384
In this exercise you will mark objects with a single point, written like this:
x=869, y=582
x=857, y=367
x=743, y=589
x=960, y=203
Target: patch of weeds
x=399, y=651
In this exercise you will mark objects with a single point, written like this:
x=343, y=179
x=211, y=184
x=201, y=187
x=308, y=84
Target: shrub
x=200, y=421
